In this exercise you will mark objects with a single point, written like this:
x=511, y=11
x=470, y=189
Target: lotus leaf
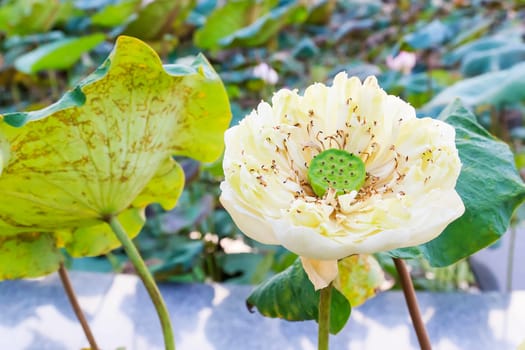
x=360, y=278
x=104, y=150
x=291, y=296
x=489, y=185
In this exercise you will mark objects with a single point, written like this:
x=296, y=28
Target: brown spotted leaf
x=105, y=148
x=28, y=255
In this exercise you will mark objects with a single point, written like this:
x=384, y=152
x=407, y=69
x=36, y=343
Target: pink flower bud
x=403, y=62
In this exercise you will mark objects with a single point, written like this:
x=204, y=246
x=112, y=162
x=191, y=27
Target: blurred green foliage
x=471, y=49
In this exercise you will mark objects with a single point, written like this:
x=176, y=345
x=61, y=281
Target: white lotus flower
x=403, y=195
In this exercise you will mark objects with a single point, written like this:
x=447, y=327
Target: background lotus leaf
x=158, y=17
x=115, y=14
x=32, y=16
x=229, y=18
x=265, y=27
x=496, y=88
x=105, y=148
x=60, y=54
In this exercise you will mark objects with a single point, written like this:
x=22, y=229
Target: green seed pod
x=337, y=169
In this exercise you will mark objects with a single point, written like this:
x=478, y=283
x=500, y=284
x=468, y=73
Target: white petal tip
x=320, y=272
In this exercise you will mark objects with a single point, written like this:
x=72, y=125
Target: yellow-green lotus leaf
x=28, y=255
x=107, y=146
x=167, y=180
x=100, y=239
x=359, y=278
x=4, y=153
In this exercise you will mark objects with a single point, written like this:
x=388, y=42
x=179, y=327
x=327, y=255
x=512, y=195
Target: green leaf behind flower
x=489, y=185
x=291, y=296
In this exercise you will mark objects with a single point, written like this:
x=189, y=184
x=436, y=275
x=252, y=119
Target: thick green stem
x=148, y=281
x=324, y=317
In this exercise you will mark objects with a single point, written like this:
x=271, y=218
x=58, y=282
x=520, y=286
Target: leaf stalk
x=70, y=292
x=146, y=277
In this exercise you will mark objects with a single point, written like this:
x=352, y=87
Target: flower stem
x=148, y=281
x=324, y=317
x=70, y=292
x=413, y=308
